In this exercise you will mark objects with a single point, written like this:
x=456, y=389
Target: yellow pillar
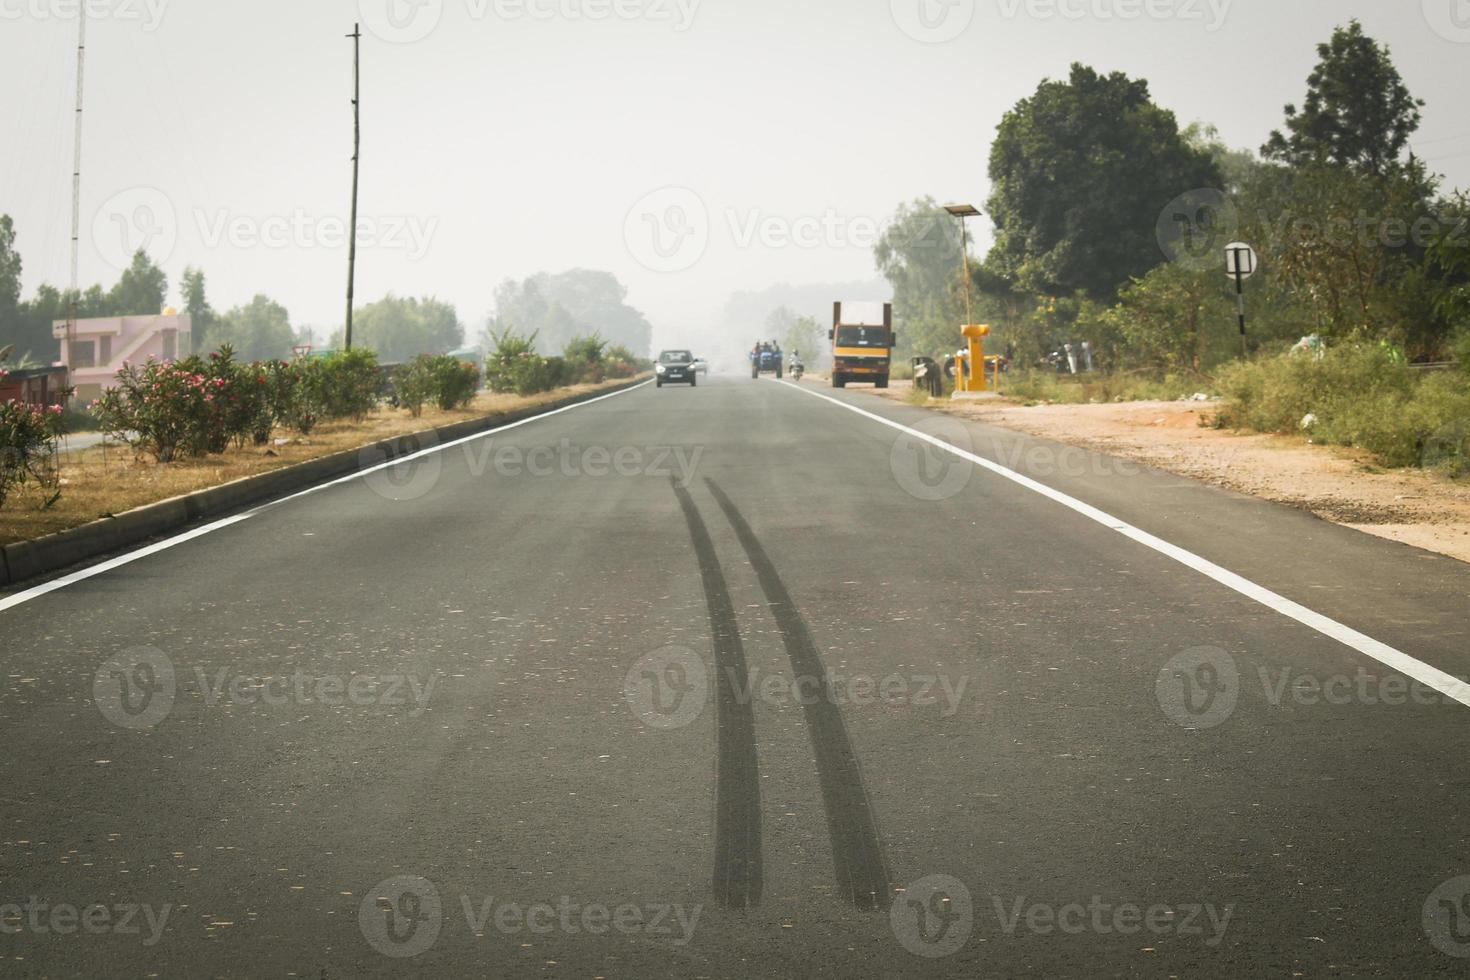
x=975, y=333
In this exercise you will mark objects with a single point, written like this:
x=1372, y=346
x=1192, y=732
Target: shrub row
x=1362, y=396
x=515, y=367
x=199, y=406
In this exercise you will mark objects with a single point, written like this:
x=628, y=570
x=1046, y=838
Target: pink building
x=97, y=351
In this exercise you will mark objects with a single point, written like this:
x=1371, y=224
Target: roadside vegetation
x=180, y=426
x=1110, y=223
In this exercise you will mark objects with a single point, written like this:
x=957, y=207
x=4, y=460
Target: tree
x=401, y=328
x=805, y=336
x=558, y=307
x=919, y=255
x=1176, y=318
x=10, y=314
x=196, y=303
x=10, y=266
x=1080, y=173
x=1358, y=113
x=258, y=331
x=142, y=289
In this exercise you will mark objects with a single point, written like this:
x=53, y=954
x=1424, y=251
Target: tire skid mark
x=738, y=873
x=857, y=853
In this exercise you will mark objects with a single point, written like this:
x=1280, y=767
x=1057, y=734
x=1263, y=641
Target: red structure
x=41, y=387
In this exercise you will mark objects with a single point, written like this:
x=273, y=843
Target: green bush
x=514, y=366
x=1461, y=349
x=1361, y=396
x=455, y=382
x=345, y=384
x=446, y=381
x=1048, y=386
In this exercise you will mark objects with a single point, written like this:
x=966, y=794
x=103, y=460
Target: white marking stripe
x=1446, y=684
x=10, y=602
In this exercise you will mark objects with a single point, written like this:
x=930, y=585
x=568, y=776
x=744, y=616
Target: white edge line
x=1446, y=684
x=20, y=598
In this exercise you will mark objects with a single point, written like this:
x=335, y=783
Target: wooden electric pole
x=356, y=36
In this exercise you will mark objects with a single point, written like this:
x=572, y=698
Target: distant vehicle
x=701, y=366
x=676, y=366
x=797, y=368
x=767, y=359
x=862, y=343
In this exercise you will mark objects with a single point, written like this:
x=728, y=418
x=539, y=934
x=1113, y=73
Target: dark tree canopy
x=142, y=289
x=1081, y=172
x=1358, y=113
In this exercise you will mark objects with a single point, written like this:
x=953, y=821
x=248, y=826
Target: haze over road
x=691, y=682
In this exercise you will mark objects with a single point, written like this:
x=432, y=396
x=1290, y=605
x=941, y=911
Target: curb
x=25, y=560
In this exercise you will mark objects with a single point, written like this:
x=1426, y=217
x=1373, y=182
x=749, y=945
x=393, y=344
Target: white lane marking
x=1446, y=684
x=20, y=598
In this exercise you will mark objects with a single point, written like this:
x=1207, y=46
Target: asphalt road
x=736, y=682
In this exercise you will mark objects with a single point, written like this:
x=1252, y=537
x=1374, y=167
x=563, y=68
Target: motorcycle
x=796, y=370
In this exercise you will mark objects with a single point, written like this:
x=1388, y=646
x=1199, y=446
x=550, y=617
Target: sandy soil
x=1342, y=486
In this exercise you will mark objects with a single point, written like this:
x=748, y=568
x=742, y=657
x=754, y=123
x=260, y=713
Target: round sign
x=1240, y=260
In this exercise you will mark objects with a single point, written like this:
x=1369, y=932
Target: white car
x=701, y=366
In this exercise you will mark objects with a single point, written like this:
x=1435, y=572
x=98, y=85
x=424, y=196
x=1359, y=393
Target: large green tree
x=558, y=307
x=401, y=328
x=196, y=301
x=1358, y=113
x=258, y=331
x=10, y=266
x=919, y=255
x=142, y=289
x=1081, y=171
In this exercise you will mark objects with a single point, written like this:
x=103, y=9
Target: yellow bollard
x=975, y=333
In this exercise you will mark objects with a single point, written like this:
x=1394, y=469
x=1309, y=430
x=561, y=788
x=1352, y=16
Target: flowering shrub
x=161, y=408
x=27, y=444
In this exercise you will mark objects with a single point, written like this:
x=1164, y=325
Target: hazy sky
x=692, y=147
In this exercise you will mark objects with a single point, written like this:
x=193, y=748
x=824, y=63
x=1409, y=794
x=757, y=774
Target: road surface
x=743, y=681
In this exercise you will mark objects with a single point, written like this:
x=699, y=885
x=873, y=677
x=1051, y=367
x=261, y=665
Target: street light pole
x=962, y=212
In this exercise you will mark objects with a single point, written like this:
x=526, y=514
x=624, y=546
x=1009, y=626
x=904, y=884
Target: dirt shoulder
x=103, y=481
x=1342, y=486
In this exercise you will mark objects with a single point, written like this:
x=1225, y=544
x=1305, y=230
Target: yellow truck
x=862, y=343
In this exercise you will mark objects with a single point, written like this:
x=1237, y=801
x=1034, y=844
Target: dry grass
x=101, y=482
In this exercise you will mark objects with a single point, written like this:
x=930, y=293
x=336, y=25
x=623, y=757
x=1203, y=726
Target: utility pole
x=76, y=183
x=356, y=36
